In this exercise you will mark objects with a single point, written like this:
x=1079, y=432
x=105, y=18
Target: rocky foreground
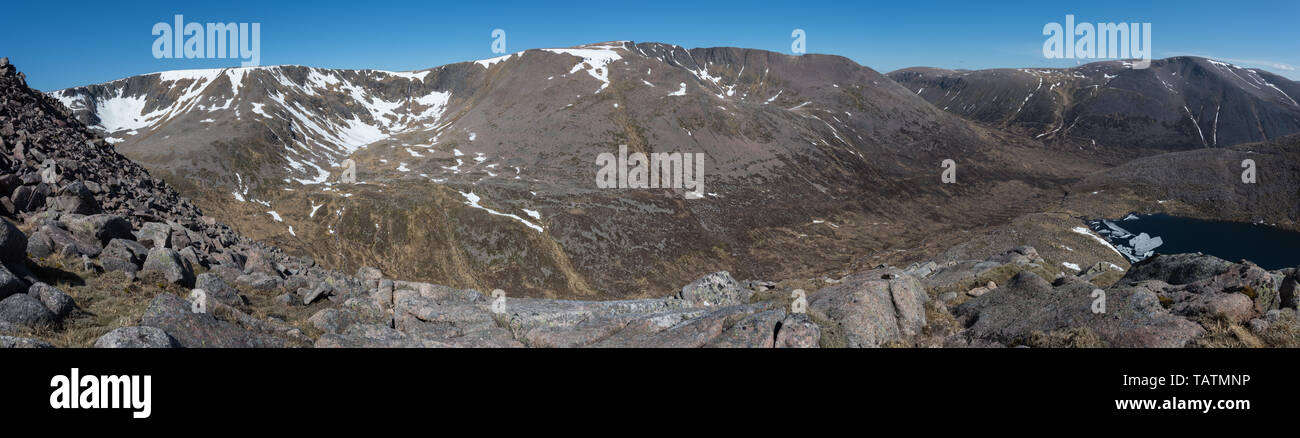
x=95, y=252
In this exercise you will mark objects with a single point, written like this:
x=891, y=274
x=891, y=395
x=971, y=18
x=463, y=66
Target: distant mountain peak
x=1178, y=103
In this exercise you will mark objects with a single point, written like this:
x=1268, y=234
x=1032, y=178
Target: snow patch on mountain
x=680, y=92
x=1085, y=231
x=436, y=103
x=487, y=63
x=411, y=75
x=124, y=113
x=472, y=200
x=595, y=58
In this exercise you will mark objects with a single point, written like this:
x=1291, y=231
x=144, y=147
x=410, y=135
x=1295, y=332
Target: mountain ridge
x=1173, y=105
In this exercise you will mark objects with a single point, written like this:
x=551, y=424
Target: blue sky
x=63, y=44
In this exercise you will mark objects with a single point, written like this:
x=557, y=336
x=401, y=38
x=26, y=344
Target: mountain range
x=481, y=174
x=129, y=203
x=1176, y=104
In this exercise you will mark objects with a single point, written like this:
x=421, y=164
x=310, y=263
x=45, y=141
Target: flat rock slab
x=873, y=308
x=757, y=330
x=1133, y=316
x=375, y=336
x=172, y=314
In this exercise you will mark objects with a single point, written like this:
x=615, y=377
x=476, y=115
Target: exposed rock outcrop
x=873, y=308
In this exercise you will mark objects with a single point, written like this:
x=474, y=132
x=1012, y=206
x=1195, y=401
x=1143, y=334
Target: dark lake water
x=1139, y=236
